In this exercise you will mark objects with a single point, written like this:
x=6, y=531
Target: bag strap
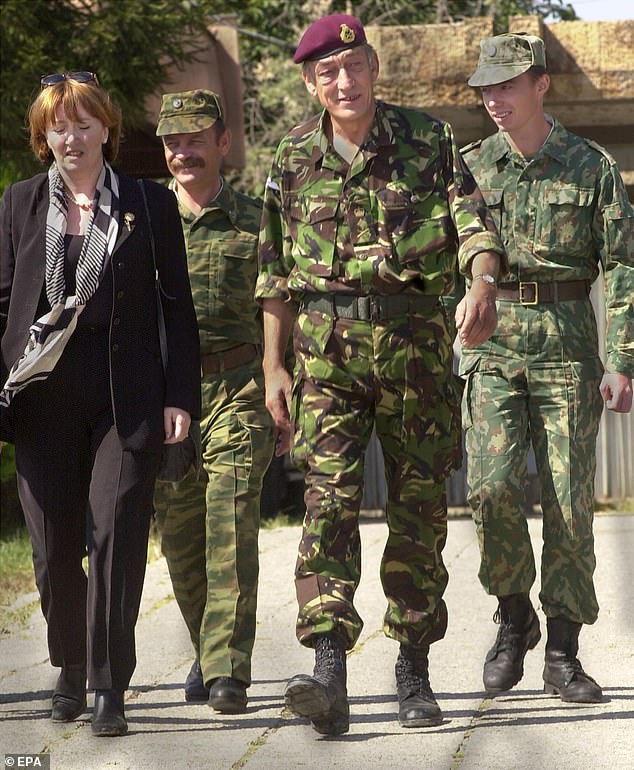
x=157, y=282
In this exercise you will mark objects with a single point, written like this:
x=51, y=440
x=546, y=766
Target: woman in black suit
x=86, y=400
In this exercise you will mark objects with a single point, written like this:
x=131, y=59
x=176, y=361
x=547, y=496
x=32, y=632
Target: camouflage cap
x=504, y=57
x=186, y=112
x=329, y=35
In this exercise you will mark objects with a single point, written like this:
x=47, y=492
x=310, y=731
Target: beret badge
x=346, y=34
x=329, y=35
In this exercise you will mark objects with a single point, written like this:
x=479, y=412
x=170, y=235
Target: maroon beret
x=329, y=35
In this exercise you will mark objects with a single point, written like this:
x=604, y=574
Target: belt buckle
x=522, y=289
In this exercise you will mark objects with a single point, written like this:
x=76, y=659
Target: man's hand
x=278, y=385
x=277, y=319
x=176, y=423
x=476, y=315
x=616, y=390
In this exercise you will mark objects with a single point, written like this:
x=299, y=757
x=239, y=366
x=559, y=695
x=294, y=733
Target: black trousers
x=83, y=494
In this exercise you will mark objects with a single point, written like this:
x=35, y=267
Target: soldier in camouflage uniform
x=367, y=208
x=561, y=208
x=209, y=523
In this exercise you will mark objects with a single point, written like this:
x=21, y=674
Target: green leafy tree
x=129, y=43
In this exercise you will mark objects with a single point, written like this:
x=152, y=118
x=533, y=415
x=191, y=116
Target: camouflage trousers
x=350, y=376
x=536, y=380
x=209, y=525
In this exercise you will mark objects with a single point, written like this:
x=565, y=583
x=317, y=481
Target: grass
x=281, y=520
x=17, y=579
x=625, y=505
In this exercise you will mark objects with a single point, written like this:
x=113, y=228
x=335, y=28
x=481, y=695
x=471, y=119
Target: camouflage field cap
x=186, y=112
x=329, y=35
x=504, y=57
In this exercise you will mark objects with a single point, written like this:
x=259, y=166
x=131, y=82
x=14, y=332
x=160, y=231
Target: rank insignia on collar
x=346, y=34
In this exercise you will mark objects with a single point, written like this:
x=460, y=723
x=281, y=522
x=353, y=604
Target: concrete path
x=521, y=730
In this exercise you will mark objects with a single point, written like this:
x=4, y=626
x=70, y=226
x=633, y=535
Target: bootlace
x=510, y=634
x=574, y=670
x=507, y=633
x=329, y=657
x=412, y=672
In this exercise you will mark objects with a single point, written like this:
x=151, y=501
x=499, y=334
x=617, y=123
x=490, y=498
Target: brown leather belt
x=534, y=293
x=213, y=363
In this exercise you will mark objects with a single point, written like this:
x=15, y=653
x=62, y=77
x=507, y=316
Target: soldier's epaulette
x=600, y=149
x=471, y=146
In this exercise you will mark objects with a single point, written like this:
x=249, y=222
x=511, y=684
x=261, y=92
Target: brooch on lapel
x=129, y=218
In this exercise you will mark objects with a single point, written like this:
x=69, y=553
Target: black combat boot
x=563, y=672
x=417, y=706
x=518, y=633
x=323, y=698
x=69, y=696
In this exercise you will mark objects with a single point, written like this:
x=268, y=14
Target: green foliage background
x=131, y=44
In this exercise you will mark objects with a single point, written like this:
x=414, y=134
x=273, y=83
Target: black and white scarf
x=49, y=335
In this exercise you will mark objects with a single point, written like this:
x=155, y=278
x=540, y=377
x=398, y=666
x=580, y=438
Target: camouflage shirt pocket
x=233, y=268
x=619, y=229
x=413, y=223
x=312, y=225
x=564, y=220
x=494, y=199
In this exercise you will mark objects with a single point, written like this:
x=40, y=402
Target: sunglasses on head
x=60, y=77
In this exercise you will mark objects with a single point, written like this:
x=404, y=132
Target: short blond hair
x=71, y=95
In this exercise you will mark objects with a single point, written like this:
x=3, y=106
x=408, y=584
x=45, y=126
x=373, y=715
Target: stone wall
x=591, y=66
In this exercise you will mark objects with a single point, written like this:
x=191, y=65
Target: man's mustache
x=179, y=165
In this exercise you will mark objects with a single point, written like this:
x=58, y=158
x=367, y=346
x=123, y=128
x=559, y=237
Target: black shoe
x=108, y=719
x=417, y=706
x=69, y=696
x=563, y=672
x=518, y=633
x=228, y=695
x=195, y=689
x=323, y=698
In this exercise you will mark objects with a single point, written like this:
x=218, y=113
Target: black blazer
x=139, y=387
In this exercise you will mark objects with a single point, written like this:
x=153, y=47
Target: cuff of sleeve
x=482, y=242
x=272, y=287
x=621, y=363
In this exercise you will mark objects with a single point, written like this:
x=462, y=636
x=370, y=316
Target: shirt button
x=115, y=347
x=120, y=265
x=116, y=321
x=119, y=295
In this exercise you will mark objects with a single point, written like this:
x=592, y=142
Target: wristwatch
x=486, y=278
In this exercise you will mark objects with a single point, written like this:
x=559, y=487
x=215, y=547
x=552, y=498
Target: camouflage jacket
x=222, y=256
x=559, y=214
x=393, y=220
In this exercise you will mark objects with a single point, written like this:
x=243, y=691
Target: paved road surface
x=521, y=730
